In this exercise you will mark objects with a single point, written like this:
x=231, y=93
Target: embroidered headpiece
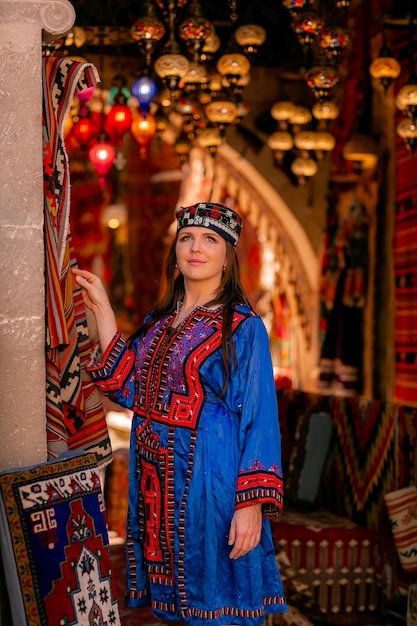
x=217, y=217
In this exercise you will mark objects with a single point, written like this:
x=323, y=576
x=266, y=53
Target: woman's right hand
x=94, y=294
x=96, y=299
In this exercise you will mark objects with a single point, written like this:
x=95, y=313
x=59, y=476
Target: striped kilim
x=404, y=250
x=405, y=271
x=361, y=463
x=74, y=414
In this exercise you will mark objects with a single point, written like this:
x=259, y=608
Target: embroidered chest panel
x=168, y=362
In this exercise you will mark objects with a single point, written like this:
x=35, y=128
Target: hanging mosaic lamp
x=307, y=26
x=147, y=31
x=322, y=79
x=334, y=40
x=294, y=6
x=195, y=29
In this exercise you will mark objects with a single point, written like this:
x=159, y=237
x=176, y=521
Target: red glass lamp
x=102, y=156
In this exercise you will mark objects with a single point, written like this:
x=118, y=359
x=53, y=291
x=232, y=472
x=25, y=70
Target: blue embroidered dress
x=195, y=457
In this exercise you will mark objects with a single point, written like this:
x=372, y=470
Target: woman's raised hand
x=94, y=294
x=96, y=299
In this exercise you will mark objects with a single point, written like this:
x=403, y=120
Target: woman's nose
x=195, y=245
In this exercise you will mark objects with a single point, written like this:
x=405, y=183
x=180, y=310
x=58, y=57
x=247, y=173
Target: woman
x=205, y=463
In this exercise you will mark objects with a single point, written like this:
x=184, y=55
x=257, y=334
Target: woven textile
x=361, y=465
x=55, y=544
x=332, y=561
x=402, y=511
x=404, y=250
x=74, y=413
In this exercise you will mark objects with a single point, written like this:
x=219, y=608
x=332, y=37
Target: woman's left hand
x=245, y=530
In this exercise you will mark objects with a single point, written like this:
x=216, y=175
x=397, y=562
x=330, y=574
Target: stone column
x=22, y=310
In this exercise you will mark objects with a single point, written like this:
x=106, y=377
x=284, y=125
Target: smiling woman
x=205, y=460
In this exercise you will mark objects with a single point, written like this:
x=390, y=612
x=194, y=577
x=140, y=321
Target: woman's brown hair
x=230, y=294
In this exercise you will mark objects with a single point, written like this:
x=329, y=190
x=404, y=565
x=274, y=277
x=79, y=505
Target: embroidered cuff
x=260, y=488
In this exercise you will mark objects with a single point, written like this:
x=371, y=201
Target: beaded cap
x=217, y=217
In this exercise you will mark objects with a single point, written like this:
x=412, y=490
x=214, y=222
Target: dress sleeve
x=114, y=371
x=253, y=395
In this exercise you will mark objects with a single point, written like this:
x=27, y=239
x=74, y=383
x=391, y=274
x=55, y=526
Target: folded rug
x=55, y=545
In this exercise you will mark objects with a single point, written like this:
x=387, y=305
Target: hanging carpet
x=74, y=413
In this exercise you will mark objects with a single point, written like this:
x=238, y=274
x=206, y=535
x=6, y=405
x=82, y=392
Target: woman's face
x=201, y=255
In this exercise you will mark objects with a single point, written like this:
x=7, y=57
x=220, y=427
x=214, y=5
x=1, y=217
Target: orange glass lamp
x=143, y=128
x=102, y=156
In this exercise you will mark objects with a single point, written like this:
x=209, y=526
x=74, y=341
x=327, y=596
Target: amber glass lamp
x=385, y=68
x=171, y=68
x=250, y=37
x=304, y=169
x=281, y=111
x=280, y=142
x=406, y=99
x=222, y=113
x=407, y=130
x=233, y=66
x=143, y=129
x=210, y=139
